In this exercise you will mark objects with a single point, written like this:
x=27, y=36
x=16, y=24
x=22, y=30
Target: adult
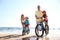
x=38, y=15
x=22, y=22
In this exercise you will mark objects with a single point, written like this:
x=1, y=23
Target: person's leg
x=42, y=25
x=47, y=23
x=23, y=30
x=28, y=28
x=47, y=28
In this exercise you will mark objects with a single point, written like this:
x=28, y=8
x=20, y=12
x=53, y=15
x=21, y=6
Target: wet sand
x=53, y=35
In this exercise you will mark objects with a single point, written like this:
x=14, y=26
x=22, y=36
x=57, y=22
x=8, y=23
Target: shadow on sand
x=36, y=38
x=44, y=38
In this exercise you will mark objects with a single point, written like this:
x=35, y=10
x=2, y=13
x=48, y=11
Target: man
x=39, y=19
x=39, y=15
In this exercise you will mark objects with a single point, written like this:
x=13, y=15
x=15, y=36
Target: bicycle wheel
x=39, y=33
x=46, y=30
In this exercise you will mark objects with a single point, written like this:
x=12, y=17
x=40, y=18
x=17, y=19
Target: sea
x=18, y=30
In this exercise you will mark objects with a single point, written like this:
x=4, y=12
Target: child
x=45, y=17
x=26, y=22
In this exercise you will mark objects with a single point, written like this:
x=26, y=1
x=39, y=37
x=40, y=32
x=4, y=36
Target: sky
x=11, y=10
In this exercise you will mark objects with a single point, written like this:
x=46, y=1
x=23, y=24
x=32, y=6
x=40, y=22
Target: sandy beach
x=13, y=36
x=53, y=35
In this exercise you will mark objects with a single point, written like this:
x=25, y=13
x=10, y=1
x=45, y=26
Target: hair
x=22, y=15
x=26, y=17
x=44, y=11
x=38, y=6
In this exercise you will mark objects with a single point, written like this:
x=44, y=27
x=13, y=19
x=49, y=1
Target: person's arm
x=35, y=14
x=41, y=13
x=46, y=15
x=21, y=20
x=28, y=24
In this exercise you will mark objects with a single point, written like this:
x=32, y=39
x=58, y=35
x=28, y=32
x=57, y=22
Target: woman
x=22, y=22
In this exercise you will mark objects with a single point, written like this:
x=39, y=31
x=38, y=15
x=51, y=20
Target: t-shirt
x=26, y=22
x=39, y=14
